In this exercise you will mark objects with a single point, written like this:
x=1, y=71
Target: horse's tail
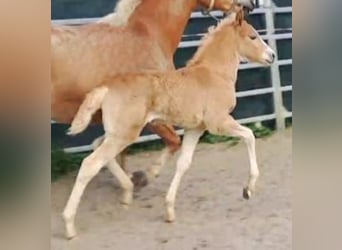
x=92, y=103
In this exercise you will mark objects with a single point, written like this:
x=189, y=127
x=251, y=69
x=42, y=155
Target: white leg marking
x=189, y=143
x=248, y=136
x=160, y=163
x=124, y=180
x=89, y=168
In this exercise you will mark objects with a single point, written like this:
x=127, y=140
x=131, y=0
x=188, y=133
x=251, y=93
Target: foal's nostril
x=273, y=57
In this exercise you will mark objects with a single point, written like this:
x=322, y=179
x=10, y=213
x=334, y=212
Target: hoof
x=71, y=237
x=139, y=179
x=170, y=219
x=70, y=232
x=126, y=200
x=170, y=215
x=246, y=193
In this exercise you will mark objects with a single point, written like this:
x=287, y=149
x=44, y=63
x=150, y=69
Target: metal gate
x=277, y=33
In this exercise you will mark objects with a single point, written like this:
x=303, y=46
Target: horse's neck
x=165, y=19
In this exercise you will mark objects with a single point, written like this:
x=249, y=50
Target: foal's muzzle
x=270, y=57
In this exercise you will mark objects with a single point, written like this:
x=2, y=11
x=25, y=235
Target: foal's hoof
x=246, y=193
x=170, y=218
x=139, y=179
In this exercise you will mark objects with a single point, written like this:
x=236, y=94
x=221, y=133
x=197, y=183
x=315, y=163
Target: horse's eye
x=253, y=37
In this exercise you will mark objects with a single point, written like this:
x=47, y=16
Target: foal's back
x=182, y=97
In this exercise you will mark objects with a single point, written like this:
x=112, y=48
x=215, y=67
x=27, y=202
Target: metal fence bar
x=275, y=74
x=196, y=43
x=280, y=113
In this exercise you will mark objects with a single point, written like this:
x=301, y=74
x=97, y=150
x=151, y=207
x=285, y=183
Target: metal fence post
x=275, y=74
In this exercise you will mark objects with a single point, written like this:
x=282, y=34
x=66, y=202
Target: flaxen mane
x=122, y=12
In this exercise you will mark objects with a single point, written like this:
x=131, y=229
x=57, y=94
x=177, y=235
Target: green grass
x=63, y=163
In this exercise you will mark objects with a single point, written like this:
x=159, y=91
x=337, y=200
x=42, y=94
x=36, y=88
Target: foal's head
x=249, y=43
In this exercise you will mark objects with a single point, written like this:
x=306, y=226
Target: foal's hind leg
x=120, y=158
x=228, y=126
x=116, y=167
x=125, y=181
x=91, y=165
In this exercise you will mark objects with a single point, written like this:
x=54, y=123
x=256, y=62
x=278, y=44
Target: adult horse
x=142, y=35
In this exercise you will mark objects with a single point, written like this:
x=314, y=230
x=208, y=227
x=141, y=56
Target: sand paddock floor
x=210, y=210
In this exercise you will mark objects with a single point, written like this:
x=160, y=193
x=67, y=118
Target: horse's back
x=83, y=56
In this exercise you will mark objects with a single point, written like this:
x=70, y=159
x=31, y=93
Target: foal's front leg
x=228, y=126
x=172, y=141
x=190, y=141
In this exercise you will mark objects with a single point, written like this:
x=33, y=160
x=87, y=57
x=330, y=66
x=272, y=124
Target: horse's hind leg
x=91, y=165
x=228, y=126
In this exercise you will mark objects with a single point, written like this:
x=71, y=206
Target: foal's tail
x=89, y=106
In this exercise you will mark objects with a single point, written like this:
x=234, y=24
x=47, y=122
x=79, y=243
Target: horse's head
x=250, y=45
x=227, y=5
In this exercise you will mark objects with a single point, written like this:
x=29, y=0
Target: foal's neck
x=219, y=52
x=165, y=19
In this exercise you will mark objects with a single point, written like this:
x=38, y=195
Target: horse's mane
x=208, y=38
x=122, y=12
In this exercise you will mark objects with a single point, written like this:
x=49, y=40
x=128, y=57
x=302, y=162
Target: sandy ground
x=211, y=213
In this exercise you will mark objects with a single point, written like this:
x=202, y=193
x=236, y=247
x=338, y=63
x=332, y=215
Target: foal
x=198, y=97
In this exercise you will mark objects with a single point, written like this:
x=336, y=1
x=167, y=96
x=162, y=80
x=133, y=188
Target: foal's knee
x=249, y=136
x=183, y=163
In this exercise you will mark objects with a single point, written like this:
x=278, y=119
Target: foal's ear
x=240, y=15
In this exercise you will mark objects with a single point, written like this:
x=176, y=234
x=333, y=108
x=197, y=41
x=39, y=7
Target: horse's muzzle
x=247, y=4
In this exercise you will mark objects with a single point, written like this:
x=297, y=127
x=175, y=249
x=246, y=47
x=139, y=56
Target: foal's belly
x=184, y=120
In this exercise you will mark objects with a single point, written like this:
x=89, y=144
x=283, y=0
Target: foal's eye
x=253, y=37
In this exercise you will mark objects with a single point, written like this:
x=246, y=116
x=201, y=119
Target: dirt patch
x=211, y=213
